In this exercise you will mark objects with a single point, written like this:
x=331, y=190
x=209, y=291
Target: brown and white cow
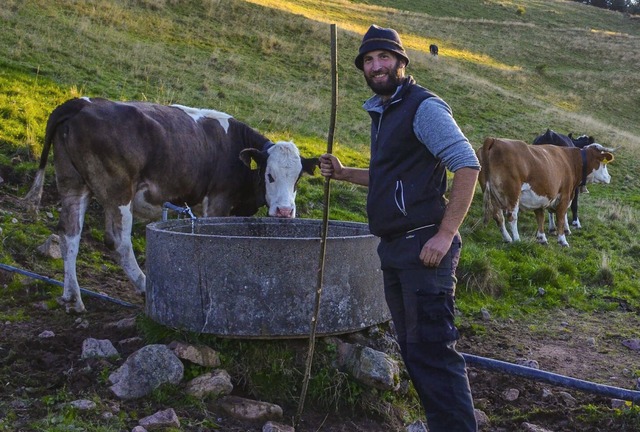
x=516, y=176
x=135, y=156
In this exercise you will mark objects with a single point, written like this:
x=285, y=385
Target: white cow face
x=601, y=174
x=282, y=167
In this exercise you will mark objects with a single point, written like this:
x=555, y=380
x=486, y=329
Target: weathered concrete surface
x=257, y=277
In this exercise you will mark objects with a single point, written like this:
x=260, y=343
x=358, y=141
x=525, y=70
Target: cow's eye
x=270, y=177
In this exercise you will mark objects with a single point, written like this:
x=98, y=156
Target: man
x=414, y=139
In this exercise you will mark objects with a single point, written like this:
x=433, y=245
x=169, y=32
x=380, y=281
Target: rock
x=271, y=426
x=46, y=334
x=123, y=324
x=417, y=426
x=481, y=418
x=528, y=363
x=619, y=404
x=160, y=420
x=511, y=394
x=485, y=314
x=370, y=367
x=217, y=383
x=248, y=409
x=51, y=247
x=632, y=344
x=529, y=427
x=568, y=400
x=83, y=404
x=92, y=348
x=201, y=354
x=145, y=370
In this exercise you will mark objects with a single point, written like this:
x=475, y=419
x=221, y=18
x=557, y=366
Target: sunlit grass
x=344, y=16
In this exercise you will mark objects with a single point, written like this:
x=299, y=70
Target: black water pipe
x=55, y=282
x=552, y=378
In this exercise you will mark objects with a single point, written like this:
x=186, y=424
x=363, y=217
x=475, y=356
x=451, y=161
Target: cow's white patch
x=198, y=113
x=600, y=175
x=86, y=98
x=283, y=170
x=529, y=200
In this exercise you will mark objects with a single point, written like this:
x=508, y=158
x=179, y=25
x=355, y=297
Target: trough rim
x=161, y=226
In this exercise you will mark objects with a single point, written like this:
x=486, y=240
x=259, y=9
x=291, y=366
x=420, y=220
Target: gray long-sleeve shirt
x=436, y=128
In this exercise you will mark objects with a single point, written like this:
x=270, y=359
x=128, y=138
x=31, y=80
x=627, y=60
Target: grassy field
x=507, y=68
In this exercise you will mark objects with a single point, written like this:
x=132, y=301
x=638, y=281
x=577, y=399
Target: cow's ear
x=608, y=157
x=249, y=154
x=309, y=165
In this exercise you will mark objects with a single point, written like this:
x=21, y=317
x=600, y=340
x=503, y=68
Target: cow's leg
x=574, y=210
x=74, y=207
x=499, y=218
x=513, y=223
x=552, y=223
x=561, y=214
x=540, y=235
x=118, y=223
x=567, y=230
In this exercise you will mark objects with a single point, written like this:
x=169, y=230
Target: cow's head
x=601, y=157
x=280, y=167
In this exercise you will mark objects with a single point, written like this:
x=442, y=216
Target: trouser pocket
x=436, y=317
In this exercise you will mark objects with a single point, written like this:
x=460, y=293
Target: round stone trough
x=257, y=277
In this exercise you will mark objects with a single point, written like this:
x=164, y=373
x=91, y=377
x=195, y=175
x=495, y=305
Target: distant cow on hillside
x=555, y=138
x=135, y=156
x=517, y=176
x=433, y=49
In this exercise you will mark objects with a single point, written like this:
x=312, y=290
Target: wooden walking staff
x=325, y=224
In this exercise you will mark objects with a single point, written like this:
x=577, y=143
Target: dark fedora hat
x=379, y=38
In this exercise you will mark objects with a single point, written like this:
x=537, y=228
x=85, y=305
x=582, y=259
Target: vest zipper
x=399, y=197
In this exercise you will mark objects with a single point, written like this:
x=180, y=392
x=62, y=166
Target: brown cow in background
x=518, y=176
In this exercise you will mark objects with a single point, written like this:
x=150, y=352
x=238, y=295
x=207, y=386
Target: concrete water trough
x=257, y=277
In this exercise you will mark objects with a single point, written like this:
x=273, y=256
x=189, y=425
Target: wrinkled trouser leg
x=421, y=301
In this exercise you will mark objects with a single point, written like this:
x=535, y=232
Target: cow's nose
x=284, y=212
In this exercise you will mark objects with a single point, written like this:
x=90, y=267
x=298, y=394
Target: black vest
x=406, y=182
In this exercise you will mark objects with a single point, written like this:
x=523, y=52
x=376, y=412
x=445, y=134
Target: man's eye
x=270, y=178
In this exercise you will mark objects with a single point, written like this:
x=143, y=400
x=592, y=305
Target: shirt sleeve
x=436, y=128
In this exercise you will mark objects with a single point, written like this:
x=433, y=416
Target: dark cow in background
x=433, y=49
x=517, y=176
x=135, y=156
x=552, y=137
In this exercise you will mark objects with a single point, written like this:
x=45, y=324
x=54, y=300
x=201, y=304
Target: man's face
x=383, y=71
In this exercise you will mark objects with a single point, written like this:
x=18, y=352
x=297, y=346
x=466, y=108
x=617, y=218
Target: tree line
x=628, y=6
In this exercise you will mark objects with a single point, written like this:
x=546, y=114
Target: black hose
x=552, y=378
x=55, y=282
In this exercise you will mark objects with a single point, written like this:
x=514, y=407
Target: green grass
x=507, y=68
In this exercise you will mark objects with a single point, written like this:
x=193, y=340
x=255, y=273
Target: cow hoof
x=72, y=306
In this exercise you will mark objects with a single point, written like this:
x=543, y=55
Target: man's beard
x=388, y=88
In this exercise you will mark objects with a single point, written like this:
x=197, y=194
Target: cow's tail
x=59, y=115
x=485, y=183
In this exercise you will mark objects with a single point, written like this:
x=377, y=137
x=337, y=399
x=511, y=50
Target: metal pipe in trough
x=256, y=277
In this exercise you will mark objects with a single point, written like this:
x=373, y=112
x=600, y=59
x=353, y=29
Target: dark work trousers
x=421, y=301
